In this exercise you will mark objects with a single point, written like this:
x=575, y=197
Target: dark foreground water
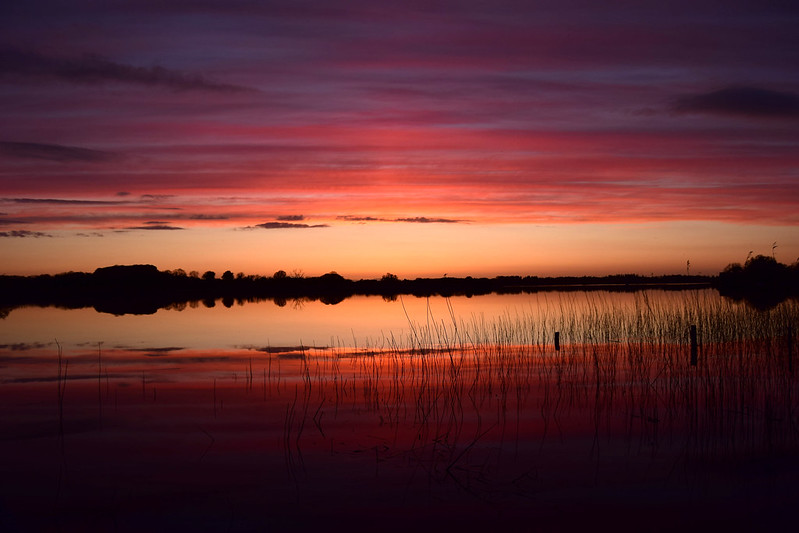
x=409, y=415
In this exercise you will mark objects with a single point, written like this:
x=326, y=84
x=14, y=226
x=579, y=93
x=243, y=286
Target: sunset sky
x=423, y=139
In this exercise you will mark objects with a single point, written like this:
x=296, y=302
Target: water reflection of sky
x=362, y=320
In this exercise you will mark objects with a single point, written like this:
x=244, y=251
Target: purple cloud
x=92, y=69
x=61, y=201
x=745, y=101
x=53, y=152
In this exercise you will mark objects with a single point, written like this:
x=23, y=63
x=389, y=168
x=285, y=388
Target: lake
x=413, y=413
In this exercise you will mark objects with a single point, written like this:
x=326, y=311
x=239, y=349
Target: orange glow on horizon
x=410, y=249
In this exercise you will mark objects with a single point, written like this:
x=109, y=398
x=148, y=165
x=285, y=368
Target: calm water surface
x=415, y=413
x=361, y=321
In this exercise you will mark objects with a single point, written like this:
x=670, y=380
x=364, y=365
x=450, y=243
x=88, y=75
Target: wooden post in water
x=790, y=349
x=694, y=346
x=557, y=341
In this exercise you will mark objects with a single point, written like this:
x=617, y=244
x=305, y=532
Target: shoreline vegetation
x=143, y=289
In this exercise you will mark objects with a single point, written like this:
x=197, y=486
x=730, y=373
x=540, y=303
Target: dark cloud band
x=21, y=233
x=745, y=101
x=287, y=225
x=416, y=220
x=96, y=69
x=53, y=152
x=155, y=227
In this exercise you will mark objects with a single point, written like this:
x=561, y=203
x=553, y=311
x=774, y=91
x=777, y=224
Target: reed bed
x=457, y=393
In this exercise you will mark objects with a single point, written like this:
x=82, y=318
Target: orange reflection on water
x=355, y=322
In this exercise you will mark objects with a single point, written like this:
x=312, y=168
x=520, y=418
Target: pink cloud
x=525, y=113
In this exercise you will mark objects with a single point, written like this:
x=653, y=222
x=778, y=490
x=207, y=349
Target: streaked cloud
x=91, y=68
x=156, y=197
x=353, y=218
x=155, y=226
x=286, y=225
x=24, y=234
x=741, y=100
x=53, y=152
x=62, y=201
x=427, y=220
x=202, y=216
x=416, y=220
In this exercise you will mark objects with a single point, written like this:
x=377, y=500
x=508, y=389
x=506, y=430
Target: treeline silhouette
x=143, y=289
x=761, y=280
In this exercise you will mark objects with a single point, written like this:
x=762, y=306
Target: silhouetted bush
x=762, y=281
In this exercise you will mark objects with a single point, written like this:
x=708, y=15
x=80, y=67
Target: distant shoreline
x=143, y=289
x=643, y=285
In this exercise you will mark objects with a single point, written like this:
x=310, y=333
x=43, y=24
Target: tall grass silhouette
x=460, y=392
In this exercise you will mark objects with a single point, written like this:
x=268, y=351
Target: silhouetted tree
x=763, y=267
x=227, y=276
x=178, y=306
x=762, y=281
x=332, y=277
x=209, y=275
x=280, y=274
